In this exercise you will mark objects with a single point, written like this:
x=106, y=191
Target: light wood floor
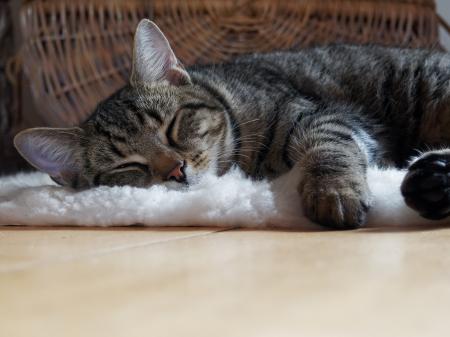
x=202, y=282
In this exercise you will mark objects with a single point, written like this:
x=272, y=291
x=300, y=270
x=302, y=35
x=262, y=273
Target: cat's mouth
x=186, y=175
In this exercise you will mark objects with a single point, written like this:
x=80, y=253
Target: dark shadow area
x=143, y=228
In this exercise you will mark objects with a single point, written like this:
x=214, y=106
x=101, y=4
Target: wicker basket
x=78, y=52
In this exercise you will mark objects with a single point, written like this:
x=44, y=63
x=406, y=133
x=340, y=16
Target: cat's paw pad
x=426, y=186
x=338, y=207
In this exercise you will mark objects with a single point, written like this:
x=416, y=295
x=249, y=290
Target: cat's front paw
x=339, y=202
x=426, y=186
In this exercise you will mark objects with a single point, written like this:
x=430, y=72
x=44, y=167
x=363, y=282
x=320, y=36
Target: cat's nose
x=177, y=172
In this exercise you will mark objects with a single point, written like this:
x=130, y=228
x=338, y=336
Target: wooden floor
x=203, y=282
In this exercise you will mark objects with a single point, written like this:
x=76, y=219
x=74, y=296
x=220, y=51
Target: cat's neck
x=244, y=131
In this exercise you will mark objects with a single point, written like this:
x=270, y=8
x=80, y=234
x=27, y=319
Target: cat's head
x=160, y=127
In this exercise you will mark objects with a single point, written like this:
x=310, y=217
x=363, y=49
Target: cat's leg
x=426, y=186
x=331, y=150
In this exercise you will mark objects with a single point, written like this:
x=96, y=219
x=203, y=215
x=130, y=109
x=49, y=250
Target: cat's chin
x=191, y=180
x=194, y=177
x=175, y=186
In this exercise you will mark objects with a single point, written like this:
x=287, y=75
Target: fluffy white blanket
x=230, y=200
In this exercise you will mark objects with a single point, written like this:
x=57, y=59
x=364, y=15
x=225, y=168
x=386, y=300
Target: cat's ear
x=53, y=151
x=153, y=58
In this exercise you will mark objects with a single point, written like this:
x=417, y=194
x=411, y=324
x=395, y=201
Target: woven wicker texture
x=78, y=52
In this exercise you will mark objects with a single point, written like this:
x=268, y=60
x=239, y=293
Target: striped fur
x=335, y=110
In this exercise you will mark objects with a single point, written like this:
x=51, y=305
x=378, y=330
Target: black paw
x=426, y=187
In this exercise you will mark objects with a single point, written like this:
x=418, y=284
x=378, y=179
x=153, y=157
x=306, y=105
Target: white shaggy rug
x=231, y=200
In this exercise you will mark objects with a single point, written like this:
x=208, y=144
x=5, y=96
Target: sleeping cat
x=329, y=112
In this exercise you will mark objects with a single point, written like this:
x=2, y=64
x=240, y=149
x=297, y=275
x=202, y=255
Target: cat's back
x=326, y=71
x=337, y=59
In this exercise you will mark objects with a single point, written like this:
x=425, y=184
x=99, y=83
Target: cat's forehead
x=129, y=104
x=166, y=97
x=165, y=101
x=156, y=97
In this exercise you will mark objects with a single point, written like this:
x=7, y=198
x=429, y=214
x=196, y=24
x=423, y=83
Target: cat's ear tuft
x=153, y=58
x=55, y=151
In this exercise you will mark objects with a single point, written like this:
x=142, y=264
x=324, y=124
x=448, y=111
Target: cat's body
x=387, y=99
x=329, y=111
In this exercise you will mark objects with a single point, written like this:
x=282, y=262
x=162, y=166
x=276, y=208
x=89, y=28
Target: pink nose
x=177, y=173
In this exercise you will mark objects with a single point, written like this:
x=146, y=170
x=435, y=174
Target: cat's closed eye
x=131, y=166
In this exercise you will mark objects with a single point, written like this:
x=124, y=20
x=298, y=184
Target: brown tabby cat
x=329, y=112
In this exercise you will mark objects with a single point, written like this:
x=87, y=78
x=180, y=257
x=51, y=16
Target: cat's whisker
x=232, y=154
x=255, y=142
x=237, y=154
x=248, y=122
x=251, y=136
